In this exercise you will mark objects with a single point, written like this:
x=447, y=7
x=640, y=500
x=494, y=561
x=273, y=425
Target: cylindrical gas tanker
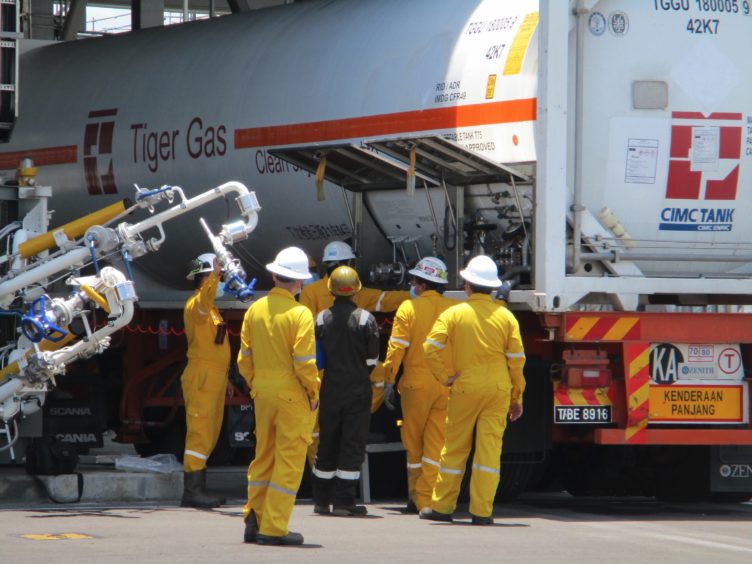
x=606, y=148
x=663, y=140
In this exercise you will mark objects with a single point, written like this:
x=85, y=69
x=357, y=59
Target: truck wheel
x=166, y=440
x=243, y=456
x=516, y=471
x=692, y=484
x=731, y=497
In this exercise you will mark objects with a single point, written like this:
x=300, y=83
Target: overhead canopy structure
x=48, y=24
x=385, y=164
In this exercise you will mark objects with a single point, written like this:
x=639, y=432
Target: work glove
x=389, y=396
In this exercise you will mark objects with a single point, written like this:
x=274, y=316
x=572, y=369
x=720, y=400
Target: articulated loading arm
x=24, y=381
x=99, y=240
x=47, y=343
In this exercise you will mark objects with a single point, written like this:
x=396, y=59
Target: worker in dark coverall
x=347, y=340
x=316, y=297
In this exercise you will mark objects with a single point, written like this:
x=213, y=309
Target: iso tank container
x=633, y=126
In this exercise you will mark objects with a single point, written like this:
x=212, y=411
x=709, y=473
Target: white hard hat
x=482, y=271
x=291, y=262
x=431, y=269
x=204, y=263
x=337, y=251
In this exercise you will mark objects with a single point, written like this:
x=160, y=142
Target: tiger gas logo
x=704, y=167
x=100, y=178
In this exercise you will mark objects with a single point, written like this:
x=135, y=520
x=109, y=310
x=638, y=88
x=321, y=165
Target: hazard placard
x=698, y=404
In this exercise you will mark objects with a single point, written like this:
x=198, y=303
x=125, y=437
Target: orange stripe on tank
x=47, y=156
x=471, y=115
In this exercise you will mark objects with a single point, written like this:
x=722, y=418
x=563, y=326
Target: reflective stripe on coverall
x=277, y=358
x=423, y=399
x=204, y=380
x=317, y=297
x=349, y=337
x=488, y=357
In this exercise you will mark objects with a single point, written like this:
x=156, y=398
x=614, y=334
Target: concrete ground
x=115, y=523
x=539, y=528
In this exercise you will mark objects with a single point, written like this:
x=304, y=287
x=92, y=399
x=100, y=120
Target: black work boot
x=251, y=528
x=322, y=509
x=349, y=510
x=411, y=508
x=221, y=498
x=290, y=539
x=194, y=494
x=431, y=515
x=482, y=520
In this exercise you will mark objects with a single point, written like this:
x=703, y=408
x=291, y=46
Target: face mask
x=413, y=295
x=298, y=287
x=314, y=277
x=220, y=290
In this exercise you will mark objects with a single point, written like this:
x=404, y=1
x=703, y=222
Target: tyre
x=731, y=497
x=516, y=472
x=169, y=439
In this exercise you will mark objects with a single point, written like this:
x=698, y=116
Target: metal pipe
x=87, y=346
x=519, y=204
x=8, y=390
x=78, y=256
x=74, y=257
x=187, y=205
x=617, y=255
x=577, y=206
x=433, y=211
x=349, y=211
x=73, y=230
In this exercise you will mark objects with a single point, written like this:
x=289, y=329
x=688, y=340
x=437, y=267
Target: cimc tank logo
x=703, y=166
x=100, y=178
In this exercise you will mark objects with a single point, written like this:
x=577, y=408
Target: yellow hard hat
x=344, y=281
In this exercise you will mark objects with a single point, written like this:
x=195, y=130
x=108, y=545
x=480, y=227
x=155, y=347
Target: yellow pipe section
x=72, y=230
x=12, y=368
x=96, y=296
x=50, y=346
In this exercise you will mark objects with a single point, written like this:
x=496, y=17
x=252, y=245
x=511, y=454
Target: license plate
x=582, y=414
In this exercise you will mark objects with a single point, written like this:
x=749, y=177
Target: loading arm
x=47, y=342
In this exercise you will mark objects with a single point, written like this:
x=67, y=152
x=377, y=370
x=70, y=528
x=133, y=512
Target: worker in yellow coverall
x=277, y=358
x=423, y=399
x=317, y=298
x=485, y=375
x=204, y=380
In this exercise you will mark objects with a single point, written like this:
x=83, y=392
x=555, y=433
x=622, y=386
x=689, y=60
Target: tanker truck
x=599, y=151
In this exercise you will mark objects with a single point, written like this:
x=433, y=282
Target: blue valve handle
x=149, y=193
x=35, y=326
x=239, y=289
x=92, y=242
